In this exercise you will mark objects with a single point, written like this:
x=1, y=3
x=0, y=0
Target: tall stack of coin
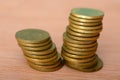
x=80, y=39
x=39, y=50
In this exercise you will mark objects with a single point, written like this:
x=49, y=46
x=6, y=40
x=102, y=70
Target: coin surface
x=87, y=13
x=32, y=35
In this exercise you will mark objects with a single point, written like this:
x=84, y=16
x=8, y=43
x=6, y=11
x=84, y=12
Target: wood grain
x=52, y=16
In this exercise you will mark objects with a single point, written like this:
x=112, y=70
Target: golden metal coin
x=76, y=56
x=78, y=60
x=41, y=56
x=86, y=31
x=87, y=13
x=78, y=52
x=79, y=34
x=45, y=52
x=80, y=45
x=66, y=38
x=98, y=27
x=81, y=49
x=36, y=48
x=46, y=63
x=83, y=38
x=83, y=65
x=35, y=44
x=83, y=23
x=96, y=67
x=47, y=69
x=32, y=36
x=84, y=20
x=41, y=60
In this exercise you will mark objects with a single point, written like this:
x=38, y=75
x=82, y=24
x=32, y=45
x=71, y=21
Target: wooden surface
x=52, y=16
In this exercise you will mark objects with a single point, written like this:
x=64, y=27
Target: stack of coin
x=80, y=39
x=39, y=50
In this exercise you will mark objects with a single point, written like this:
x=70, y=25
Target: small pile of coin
x=39, y=50
x=80, y=39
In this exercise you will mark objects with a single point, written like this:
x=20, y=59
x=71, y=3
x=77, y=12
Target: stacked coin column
x=80, y=39
x=39, y=50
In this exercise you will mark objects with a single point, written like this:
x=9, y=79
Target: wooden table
x=52, y=16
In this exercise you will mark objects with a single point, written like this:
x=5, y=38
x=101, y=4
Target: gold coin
x=96, y=67
x=76, y=56
x=81, y=49
x=66, y=38
x=78, y=52
x=84, y=20
x=78, y=60
x=83, y=23
x=80, y=45
x=45, y=52
x=35, y=44
x=36, y=48
x=98, y=27
x=87, y=13
x=41, y=60
x=84, y=65
x=32, y=36
x=47, y=69
x=80, y=34
x=86, y=31
x=83, y=38
x=46, y=63
x=41, y=57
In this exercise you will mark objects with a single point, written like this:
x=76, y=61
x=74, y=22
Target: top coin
x=87, y=13
x=32, y=35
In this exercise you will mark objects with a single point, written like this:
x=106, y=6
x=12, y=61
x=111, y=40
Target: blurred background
x=52, y=16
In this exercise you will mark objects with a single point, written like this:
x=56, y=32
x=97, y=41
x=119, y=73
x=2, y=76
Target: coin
x=81, y=49
x=44, y=69
x=83, y=38
x=96, y=67
x=98, y=27
x=83, y=23
x=86, y=31
x=87, y=13
x=36, y=48
x=84, y=20
x=68, y=39
x=78, y=60
x=84, y=64
x=32, y=36
x=79, y=34
x=76, y=56
x=46, y=52
x=41, y=60
x=78, y=52
x=41, y=56
x=35, y=44
x=80, y=45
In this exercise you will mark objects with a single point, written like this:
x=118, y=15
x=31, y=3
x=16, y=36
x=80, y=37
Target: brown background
x=52, y=16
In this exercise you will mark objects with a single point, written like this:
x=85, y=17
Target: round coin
x=83, y=38
x=84, y=20
x=96, y=67
x=87, y=13
x=45, y=52
x=66, y=38
x=98, y=27
x=32, y=36
x=83, y=23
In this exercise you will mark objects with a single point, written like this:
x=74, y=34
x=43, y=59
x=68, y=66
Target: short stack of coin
x=80, y=39
x=38, y=49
